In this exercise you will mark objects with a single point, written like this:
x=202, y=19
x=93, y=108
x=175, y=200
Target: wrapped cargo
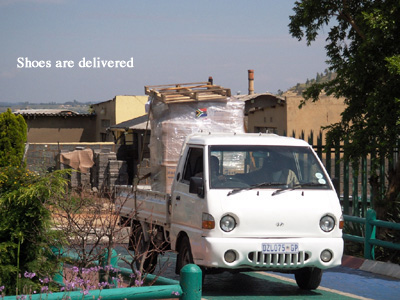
x=177, y=111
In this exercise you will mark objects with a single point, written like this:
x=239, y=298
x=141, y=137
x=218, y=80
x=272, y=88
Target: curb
x=376, y=267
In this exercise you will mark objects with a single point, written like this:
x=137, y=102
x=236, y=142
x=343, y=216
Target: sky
x=147, y=43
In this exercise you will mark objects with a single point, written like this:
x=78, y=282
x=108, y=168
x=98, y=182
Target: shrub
x=13, y=134
x=25, y=223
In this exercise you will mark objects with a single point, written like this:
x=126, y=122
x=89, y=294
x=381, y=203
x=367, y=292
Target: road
x=337, y=283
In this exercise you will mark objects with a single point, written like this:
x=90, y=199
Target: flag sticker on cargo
x=201, y=112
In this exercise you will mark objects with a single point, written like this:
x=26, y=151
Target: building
x=58, y=125
x=266, y=112
x=115, y=111
x=282, y=115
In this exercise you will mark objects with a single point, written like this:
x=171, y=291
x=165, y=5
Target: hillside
x=320, y=77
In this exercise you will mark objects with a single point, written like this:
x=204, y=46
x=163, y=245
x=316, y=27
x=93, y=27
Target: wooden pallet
x=188, y=92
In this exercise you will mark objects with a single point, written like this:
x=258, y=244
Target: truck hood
x=292, y=213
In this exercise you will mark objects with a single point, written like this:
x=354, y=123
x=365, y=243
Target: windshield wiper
x=254, y=186
x=298, y=186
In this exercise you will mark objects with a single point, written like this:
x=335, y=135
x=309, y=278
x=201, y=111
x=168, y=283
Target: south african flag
x=201, y=112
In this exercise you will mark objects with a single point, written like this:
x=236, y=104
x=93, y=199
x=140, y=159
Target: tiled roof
x=49, y=112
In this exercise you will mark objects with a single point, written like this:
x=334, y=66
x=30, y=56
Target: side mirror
x=196, y=186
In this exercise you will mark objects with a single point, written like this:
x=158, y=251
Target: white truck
x=243, y=202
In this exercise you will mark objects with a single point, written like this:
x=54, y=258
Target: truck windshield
x=279, y=167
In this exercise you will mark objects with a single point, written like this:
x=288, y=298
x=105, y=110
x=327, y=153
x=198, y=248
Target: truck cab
x=255, y=202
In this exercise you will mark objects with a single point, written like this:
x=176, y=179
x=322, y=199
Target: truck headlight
x=228, y=223
x=327, y=223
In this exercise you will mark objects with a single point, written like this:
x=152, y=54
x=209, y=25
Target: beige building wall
x=286, y=117
x=129, y=107
x=313, y=115
x=271, y=119
x=117, y=110
x=49, y=129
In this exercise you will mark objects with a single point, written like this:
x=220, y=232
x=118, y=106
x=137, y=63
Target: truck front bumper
x=247, y=253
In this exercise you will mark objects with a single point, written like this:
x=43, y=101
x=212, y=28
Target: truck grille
x=258, y=258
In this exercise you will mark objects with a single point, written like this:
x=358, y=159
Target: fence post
x=370, y=231
x=191, y=282
x=59, y=275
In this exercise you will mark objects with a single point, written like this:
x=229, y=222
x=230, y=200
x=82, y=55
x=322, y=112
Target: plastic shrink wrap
x=171, y=123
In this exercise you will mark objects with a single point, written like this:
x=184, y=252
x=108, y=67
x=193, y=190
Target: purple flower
x=44, y=280
x=29, y=275
x=138, y=283
x=2, y=288
x=44, y=289
x=85, y=292
x=103, y=284
x=175, y=293
x=75, y=269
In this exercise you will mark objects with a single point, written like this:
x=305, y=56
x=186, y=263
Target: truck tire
x=185, y=256
x=144, y=249
x=308, y=278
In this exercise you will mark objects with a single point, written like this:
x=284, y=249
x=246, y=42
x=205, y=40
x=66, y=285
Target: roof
x=254, y=96
x=269, y=139
x=49, y=112
x=136, y=123
x=255, y=102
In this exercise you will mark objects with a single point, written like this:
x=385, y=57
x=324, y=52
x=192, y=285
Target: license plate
x=280, y=248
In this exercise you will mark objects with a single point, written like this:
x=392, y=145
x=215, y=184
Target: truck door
x=187, y=208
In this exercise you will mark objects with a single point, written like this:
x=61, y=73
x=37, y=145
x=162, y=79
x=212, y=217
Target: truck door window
x=194, y=164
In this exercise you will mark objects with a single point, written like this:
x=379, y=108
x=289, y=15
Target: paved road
x=337, y=283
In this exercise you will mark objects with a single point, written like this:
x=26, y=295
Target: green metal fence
x=355, y=194
x=369, y=240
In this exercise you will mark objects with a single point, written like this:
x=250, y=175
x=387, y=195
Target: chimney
x=210, y=80
x=251, y=82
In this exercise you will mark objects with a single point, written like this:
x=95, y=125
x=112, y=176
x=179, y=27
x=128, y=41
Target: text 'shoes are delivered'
x=95, y=63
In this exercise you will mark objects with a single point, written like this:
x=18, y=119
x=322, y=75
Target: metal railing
x=369, y=240
x=189, y=287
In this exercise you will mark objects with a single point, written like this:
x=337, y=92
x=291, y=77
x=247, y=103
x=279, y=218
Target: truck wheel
x=308, y=278
x=144, y=249
x=184, y=255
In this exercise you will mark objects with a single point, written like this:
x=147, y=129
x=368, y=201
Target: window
x=105, y=123
x=274, y=166
x=193, y=165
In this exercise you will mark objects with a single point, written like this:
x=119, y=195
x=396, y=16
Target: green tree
x=363, y=47
x=13, y=134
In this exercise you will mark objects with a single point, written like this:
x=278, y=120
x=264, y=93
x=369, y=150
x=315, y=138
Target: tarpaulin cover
x=81, y=160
